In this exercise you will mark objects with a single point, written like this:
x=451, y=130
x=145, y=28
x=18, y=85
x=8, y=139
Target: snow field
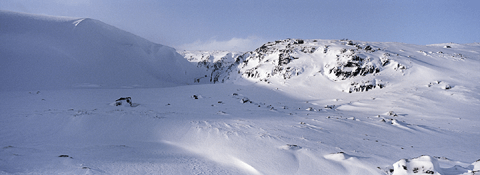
x=171, y=132
x=290, y=107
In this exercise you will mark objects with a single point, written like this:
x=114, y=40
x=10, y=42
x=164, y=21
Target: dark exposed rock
x=350, y=43
x=329, y=106
x=384, y=59
x=120, y=101
x=362, y=70
x=308, y=49
x=447, y=86
x=278, y=59
x=399, y=66
x=325, y=49
x=245, y=100
x=365, y=86
x=368, y=48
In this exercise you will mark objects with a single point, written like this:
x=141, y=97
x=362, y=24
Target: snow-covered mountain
x=293, y=106
x=437, y=82
x=44, y=52
x=354, y=66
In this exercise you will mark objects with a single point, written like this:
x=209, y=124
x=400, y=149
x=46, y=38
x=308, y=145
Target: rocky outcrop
x=337, y=60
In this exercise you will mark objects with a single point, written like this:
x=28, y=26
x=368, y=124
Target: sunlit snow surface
x=306, y=124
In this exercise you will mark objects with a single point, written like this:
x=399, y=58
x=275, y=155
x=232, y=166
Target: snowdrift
x=43, y=52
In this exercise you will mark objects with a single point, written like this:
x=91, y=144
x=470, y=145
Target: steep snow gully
x=292, y=106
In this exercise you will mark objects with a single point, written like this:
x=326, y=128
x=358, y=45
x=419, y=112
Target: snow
x=305, y=124
x=419, y=165
x=214, y=63
x=41, y=52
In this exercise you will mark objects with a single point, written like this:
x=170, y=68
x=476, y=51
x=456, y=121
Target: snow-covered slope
x=289, y=107
x=44, y=52
x=349, y=66
x=409, y=100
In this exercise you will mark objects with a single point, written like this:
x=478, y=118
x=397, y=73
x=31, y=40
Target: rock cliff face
x=214, y=63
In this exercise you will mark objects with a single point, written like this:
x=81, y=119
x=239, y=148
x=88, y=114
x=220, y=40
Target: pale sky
x=246, y=24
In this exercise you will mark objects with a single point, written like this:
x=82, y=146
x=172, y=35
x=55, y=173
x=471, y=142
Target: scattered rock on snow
x=446, y=87
x=245, y=100
x=329, y=106
x=124, y=101
x=399, y=66
x=364, y=86
x=6, y=147
x=368, y=48
x=291, y=147
x=195, y=96
x=419, y=165
x=221, y=113
x=391, y=113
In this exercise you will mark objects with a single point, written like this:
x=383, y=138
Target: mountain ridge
x=293, y=106
x=83, y=51
x=356, y=66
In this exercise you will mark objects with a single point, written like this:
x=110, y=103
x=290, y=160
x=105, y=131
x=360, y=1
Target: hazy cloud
x=72, y=2
x=234, y=44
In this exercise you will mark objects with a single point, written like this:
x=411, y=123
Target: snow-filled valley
x=293, y=106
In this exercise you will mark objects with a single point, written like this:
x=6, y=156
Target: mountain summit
x=43, y=52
